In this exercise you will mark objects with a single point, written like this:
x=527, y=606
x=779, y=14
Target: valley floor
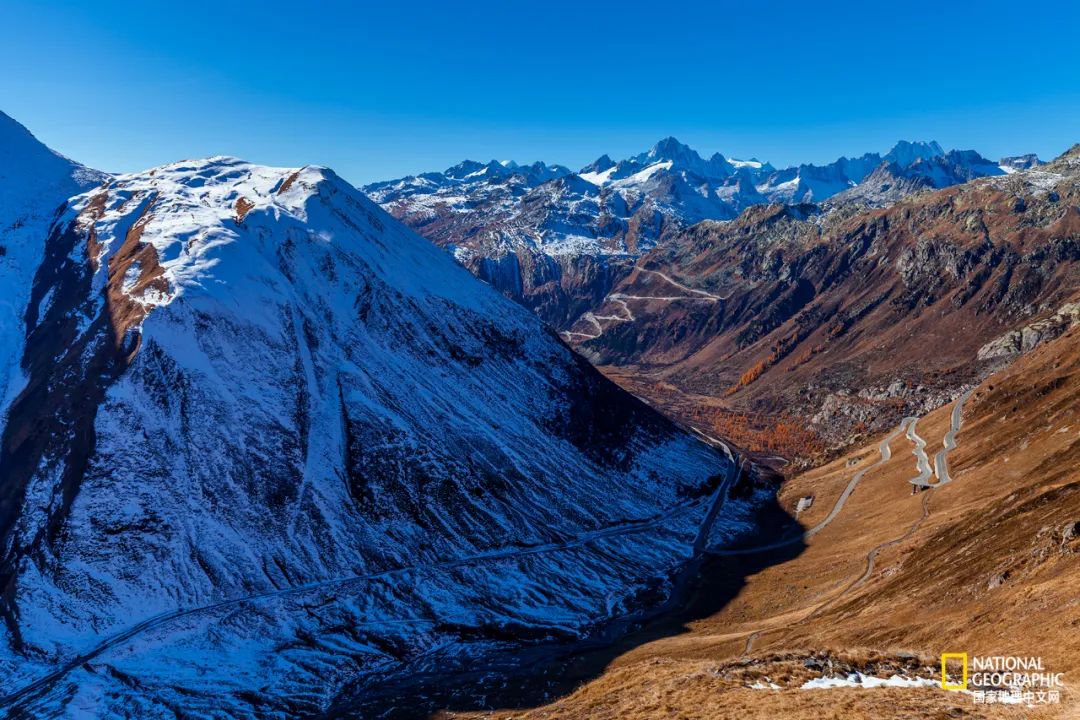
x=988, y=564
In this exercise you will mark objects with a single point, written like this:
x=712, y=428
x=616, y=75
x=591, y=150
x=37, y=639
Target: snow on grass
x=859, y=680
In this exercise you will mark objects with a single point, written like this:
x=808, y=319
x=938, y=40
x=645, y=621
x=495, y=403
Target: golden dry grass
x=990, y=570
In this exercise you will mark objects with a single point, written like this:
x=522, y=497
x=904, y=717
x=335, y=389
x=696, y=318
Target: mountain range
x=266, y=449
x=558, y=241
x=842, y=321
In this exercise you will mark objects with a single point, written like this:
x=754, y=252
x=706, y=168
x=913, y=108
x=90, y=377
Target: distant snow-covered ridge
x=553, y=239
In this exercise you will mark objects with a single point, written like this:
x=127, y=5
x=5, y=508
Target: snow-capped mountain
x=1020, y=162
x=34, y=183
x=273, y=445
x=826, y=314
x=557, y=241
x=891, y=181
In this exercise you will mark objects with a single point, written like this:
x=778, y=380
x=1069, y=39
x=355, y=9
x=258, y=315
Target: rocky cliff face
x=273, y=444
x=1017, y=342
x=848, y=316
x=555, y=241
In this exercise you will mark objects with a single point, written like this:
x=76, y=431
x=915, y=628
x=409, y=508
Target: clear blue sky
x=378, y=90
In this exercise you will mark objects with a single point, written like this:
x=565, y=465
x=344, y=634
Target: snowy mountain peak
x=684, y=158
x=275, y=394
x=1020, y=162
x=220, y=224
x=34, y=182
x=599, y=165
x=464, y=169
x=904, y=153
x=670, y=148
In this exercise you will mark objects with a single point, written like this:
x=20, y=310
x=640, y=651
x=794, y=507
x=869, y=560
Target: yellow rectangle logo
x=963, y=658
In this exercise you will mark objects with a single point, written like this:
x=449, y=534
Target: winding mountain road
x=621, y=298
x=884, y=450
x=922, y=462
x=941, y=466
x=682, y=287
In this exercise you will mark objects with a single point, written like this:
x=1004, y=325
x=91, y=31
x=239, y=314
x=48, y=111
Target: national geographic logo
x=945, y=684
x=1004, y=679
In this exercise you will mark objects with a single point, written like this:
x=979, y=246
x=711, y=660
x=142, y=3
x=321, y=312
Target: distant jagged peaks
x=683, y=158
x=904, y=152
x=599, y=165
x=731, y=183
x=628, y=206
x=474, y=171
x=669, y=156
x=1020, y=162
x=671, y=149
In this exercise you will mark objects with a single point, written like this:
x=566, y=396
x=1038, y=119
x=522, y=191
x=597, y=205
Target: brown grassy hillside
x=846, y=319
x=988, y=564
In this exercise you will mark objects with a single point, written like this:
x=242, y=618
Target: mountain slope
x=272, y=443
x=987, y=565
x=852, y=318
x=34, y=182
x=557, y=241
x=892, y=181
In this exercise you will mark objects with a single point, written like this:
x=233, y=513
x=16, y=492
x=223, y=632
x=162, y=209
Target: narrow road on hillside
x=682, y=287
x=940, y=460
x=871, y=560
x=941, y=465
x=621, y=298
x=886, y=454
x=663, y=298
x=922, y=462
x=532, y=660
x=716, y=502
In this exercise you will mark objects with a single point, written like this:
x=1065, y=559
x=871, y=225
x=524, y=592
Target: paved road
x=871, y=557
x=886, y=454
x=922, y=462
x=665, y=298
x=621, y=298
x=871, y=560
x=717, y=500
x=681, y=286
x=941, y=465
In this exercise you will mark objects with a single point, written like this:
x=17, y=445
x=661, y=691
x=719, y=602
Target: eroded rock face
x=1027, y=338
x=321, y=451
x=819, y=312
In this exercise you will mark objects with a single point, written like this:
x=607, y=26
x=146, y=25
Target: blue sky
x=378, y=90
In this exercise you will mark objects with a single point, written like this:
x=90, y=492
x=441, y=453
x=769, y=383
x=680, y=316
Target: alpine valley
x=670, y=436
